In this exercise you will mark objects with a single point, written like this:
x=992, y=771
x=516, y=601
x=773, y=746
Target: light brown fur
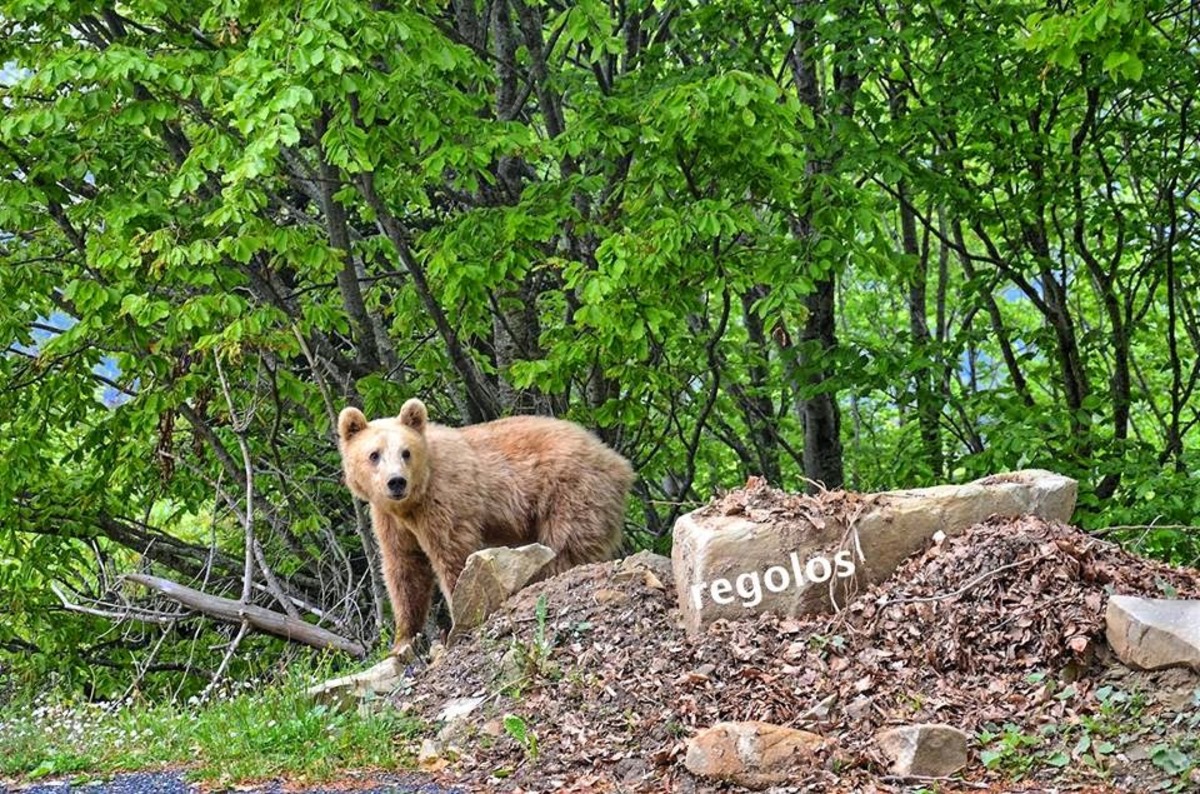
x=514, y=481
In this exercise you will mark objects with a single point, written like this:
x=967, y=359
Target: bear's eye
x=406, y=454
x=375, y=456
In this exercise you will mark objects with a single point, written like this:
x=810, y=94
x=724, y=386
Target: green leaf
x=806, y=117
x=515, y=727
x=1133, y=68
x=1170, y=759
x=1115, y=59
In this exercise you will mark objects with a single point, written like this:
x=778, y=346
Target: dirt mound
x=998, y=630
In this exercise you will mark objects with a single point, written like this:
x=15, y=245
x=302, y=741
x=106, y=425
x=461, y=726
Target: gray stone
x=814, y=564
x=925, y=750
x=454, y=716
x=432, y=756
x=607, y=597
x=1153, y=633
x=488, y=579
x=458, y=708
x=751, y=754
x=348, y=691
x=637, y=565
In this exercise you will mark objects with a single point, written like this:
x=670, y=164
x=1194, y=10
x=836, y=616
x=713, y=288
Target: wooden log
x=265, y=620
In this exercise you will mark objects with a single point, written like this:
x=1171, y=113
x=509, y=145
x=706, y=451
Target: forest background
x=870, y=245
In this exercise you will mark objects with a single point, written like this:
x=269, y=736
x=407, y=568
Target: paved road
x=174, y=783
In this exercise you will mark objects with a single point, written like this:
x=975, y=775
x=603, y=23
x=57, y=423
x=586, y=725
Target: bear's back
x=527, y=478
x=540, y=445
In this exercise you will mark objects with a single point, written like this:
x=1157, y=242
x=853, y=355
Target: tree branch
x=230, y=611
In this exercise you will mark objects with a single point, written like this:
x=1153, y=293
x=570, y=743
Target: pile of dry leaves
x=761, y=503
x=1001, y=625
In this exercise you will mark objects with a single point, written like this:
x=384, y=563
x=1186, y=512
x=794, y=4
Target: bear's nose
x=397, y=485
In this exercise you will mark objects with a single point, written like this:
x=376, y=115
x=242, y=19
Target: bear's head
x=386, y=461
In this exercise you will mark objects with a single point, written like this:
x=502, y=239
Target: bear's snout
x=396, y=487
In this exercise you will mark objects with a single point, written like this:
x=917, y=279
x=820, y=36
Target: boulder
x=751, y=754
x=1153, y=633
x=735, y=566
x=488, y=579
x=925, y=750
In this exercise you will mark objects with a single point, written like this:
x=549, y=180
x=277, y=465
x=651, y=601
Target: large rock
x=926, y=750
x=735, y=566
x=488, y=579
x=751, y=754
x=1153, y=633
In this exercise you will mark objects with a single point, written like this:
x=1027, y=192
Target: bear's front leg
x=411, y=591
x=409, y=578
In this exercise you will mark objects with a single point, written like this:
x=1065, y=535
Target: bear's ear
x=350, y=422
x=414, y=415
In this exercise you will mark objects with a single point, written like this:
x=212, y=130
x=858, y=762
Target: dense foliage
x=877, y=245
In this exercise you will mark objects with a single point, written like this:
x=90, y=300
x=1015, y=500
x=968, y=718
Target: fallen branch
x=114, y=611
x=262, y=619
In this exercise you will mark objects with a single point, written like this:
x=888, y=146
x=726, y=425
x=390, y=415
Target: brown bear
x=437, y=494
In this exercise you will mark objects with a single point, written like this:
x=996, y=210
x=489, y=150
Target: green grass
x=1087, y=747
x=241, y=734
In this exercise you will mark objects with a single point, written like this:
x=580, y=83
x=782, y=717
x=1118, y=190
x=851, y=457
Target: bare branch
x=116, y=612
x=262, y=619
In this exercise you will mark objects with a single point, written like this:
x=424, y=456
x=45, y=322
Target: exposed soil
x=999, y=631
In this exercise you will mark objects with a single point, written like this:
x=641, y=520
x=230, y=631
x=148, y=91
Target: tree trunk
x=818, y=406
x=816, y=401
x=928, y=409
